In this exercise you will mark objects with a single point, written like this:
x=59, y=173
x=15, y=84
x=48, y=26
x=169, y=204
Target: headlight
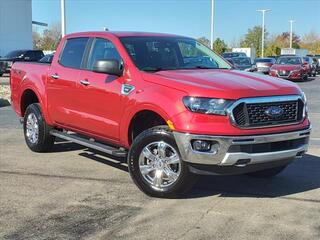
x=304, y=97
x=216, y=106
x=305, y=109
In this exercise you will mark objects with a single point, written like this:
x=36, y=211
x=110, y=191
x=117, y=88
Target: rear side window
x=73, y=52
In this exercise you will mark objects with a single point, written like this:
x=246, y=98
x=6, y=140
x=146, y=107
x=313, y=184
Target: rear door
x=99, y=99
x=62, y=82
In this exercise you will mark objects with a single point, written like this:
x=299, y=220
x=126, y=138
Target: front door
x=99, y=94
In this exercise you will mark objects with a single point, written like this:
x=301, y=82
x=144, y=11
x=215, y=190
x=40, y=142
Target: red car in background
x=311, y=68
x=290, y=67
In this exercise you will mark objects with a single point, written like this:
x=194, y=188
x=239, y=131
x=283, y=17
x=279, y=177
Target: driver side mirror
x=112, y=67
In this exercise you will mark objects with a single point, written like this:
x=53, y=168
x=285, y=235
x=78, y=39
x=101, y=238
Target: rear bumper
x=263, y=69
x=242, y=151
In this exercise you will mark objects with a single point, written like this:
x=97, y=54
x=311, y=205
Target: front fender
x=131, y=112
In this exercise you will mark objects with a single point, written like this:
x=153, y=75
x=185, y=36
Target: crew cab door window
x=102, y=49
x=73, y=52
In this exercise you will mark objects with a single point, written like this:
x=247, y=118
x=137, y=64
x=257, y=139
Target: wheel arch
x=30, y=95
x=142, y=115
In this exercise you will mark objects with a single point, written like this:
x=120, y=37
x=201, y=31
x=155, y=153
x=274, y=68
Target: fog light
x=205, y=146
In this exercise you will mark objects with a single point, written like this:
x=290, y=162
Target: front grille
x=269, y=147
x=283, y=73
x=250, y=115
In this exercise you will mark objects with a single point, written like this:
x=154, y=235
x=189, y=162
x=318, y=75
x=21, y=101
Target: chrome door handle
x=85, y=82
x=55, y=76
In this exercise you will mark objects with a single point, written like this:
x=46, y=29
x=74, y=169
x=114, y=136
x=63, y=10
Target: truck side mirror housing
x=112, y=67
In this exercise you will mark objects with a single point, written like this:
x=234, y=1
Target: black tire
x=267, y=173
x=44, y=141
x=1, y=74
x=305, y=77
x=184, y=181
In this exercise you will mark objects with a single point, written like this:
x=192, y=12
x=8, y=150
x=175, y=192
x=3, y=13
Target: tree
x=49, y=39
x=204, y=41
x=276, y=42
x=284, y=40
x=311, y=41
x=219, y=46
x=253, y=39
x=36, y=40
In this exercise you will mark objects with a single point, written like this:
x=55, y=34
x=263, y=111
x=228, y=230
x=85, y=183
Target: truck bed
x=35, y=71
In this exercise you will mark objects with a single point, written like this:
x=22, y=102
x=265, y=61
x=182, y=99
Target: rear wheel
x=156, y=166
x=268, y=172
x=36, y=130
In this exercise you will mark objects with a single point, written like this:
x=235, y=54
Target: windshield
x=15, y=54
x=306, y=59
x=263, y=60
x=242, y=61
x=289, y=61
x=233, y=54
x=170, y=53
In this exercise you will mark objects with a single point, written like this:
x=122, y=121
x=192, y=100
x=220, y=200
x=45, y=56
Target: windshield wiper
x=198, y=67
x=156, y=69
x=204, y=67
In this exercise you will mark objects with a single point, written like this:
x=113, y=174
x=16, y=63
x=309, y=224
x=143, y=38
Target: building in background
x=15, y=25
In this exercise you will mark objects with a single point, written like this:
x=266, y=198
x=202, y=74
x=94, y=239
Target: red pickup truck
x=169, y=104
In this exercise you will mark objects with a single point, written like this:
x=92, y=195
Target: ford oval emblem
x=274, y=111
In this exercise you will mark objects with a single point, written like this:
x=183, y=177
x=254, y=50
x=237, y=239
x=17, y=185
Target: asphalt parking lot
x=74, y=193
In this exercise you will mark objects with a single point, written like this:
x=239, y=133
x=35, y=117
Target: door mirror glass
x=112, y=67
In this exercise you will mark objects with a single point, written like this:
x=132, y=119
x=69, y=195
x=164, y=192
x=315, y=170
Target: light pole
x=212, y=26
x=262, y=37
x=63, y=18
x=291, y=26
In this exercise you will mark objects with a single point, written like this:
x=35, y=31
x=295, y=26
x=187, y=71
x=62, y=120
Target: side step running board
x=90, y=144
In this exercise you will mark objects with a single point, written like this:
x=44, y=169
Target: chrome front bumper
x=225, y=158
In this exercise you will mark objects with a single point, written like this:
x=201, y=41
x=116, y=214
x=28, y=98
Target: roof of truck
x=123, y=34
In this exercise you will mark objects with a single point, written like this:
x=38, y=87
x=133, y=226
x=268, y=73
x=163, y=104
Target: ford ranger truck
x=173, y=107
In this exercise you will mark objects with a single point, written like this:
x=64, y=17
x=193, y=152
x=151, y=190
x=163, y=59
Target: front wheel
x=305, y=77
x=36, y=130
x=155, y=164
x=268, y=172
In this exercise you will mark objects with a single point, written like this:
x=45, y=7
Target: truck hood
x=218, y=83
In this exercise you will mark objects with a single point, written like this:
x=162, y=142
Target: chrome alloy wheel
x=32, y=128
x=160, y=165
